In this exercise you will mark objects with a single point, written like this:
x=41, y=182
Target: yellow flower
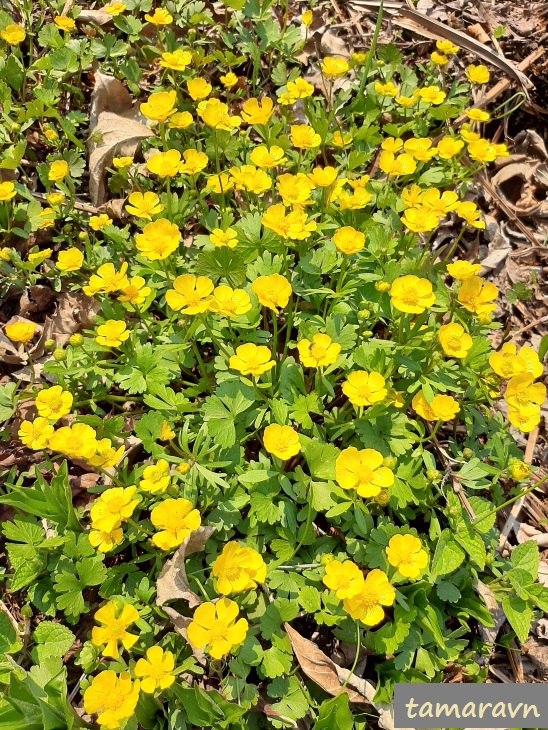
x=47, y=218
x=7, y=191
x=112, y=333
x=477, y=115
x=524, y=419
x=180, y=120
x=229, y=80
x=518, y=470
x=508, y=362
x=106, y=541
x=58, y=170
x=449, y=147
x=198, y=89
x=114, y=8
x=462, y=270
x=357, y=201
x=440, y=408
x=158, y=240
x=220, y=183
x=13, y=34
x=420, y=148
x=155, y=478
x=440, y=203
x=229, y=302
x=334, y=68
x=477, y=296
x=159, y=106
x=306, y=18
x=481, y=150
x=214, y=627
x=216, y=115
x=120, y=163
x=251, y=179
x=467, y=135
x=411, y=294
x=364, y=389
x=477, y=74
x=251, y=359
x=522, y=392
x=238, y=569
x=107, y=280
x=160, y=17
x=111, y=698
x=454, y=340
x=323, y=177
x=112, y=507
x=36, y=257
x=294, y=189
x=78, y=441
x=405, y=101
x=281, y=441
x=469, y=212
x=294, y=225
x=431, y=95
x=64, y=23
x=257, y=111
x=164, y=164
x=272, y=291
x=176, y=61
x=366, y=606
x=106, y=455
x=447, y=48
x=55, y=199
x=167, y=433
x=20, y=331
x=176, y=519
x=363, y=471
x=420, y=219
x=438, y=59
x=346, y=579
x=97, y=222
x=405, y=553
x=403, y=164
x=391, y=144
x=144, y=205
x=115, y=623
x=267, y=158
x=411, y=196
x=53, y=403
x=190, y=295
x=341, y=140
x=303, y=137
x=135, y=292
x=70, y=260
x=220, y=238
x=35, y=434
x=156, y=671
x=321, y=352
x=387, y=89
x=194, y=162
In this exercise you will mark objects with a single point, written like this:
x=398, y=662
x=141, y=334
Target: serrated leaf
x=448, y=555
x=526, y=557
x=53, y=640
x=321, y=458
x=519, y=614
x=447, y=592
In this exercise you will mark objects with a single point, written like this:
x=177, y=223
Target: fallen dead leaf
x=489, y=634
x=98, y=17
x=172, y=583
x=181, y=624
x=36, y=299
x=74, y=312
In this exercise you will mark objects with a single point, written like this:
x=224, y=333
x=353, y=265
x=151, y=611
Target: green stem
x=357, y=657
x=485, y=516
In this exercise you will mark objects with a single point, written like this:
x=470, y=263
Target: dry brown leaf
x=36, y=299
x=74, y=312
x=116, y=127
x=489, y=634
x=172, y=583
x=98, y=17
x=114, y=208
x=181, y=624
x=477, y=32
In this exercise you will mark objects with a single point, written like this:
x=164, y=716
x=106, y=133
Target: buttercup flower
x=58, y=170
x=251, y=359
x=431, y=95
x=107, y=280
x=160, y=16
x=47, y=218
x=477, y=74
x=176, y=61
x=403, y=164
x=405, y=553
x=167, y=433
x=481, y=150
x=214, y=627
x=198, y=89
x=53, y=403
x=306, y=18
x=447, y=48
x=462, y=270
x=251, y=179
x=112, y=333
x=180, y=120
x=144, y=205
x=13, y=34
x=229, y=302
x=272, y=291
x=78, y=441
x=304, y=137
x=220, y=183
x=387, y=89
x=321, y=352
x=106, y=541
x=164, y=164
x=294, y=189
x=522, y=392
x=323, y=177
x=64, y=23
x=190, y=294
x=156, y=671
x=477, y=296
x=176, y=519
x=439, y=203
x=454, y=340
x=469, y=212
x=120, y=163
x=440, y=408
x=477, y=115
x=112, y=507
x=438, y=59
x=215, y=114
x=106, y=455
x=238, y=569
x=135, y=292
x=294, y=225
x=420, y=148
x=70, y=260
x=114, y=8
x=334, y=68
x=281, y=441
x=524, y=419
x=115, y=623
x=364, y=389
x=363, y=471
x=411, y=294
x=228, y=237
x=367, y=605
x=111, y=698
x=508, y=362
x=229, y=80
x=194, y=162
x=266, y=157
x=20, y=331
x=420, y=220
x=35, y=434
x=346, y=579
x=449, y=147
x=155, y=478
x=97, y=222
x=159, y=239
x=7, y=191
x=257, y=111
x=348, y=240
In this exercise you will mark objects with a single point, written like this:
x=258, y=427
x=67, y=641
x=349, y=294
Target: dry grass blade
x=435, y=29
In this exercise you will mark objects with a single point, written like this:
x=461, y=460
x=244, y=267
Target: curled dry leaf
x=490, y=633
x=181, y=624
x=172, y=583
x=116, y=128
x=95, y=17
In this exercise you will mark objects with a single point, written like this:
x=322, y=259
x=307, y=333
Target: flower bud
x=518, y=470
x=432, y=475
x=367, y=333
x=76, y=340
x=5, y=254
x=467, y=453
x=382, y=286
x=364, y=313
x=49, y=345
x=82, y=236
x=326, y=558
x=59, y=355
x=183, y=468
x=389, y=462
x=382, y=498
x=26, y=611
x=489, y=559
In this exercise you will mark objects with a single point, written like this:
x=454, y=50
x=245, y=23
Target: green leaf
x=526, y=557
x=275, y=663
x=53, y=640
x=447, y=592
x=334, y=714
x=321, y=458
x=293, y=702
x=7, y=401
x=519, y=614
x=447, y=557
x=482, y=506
x=24, y=530
x=539, y=594
x=276, y=614
x=8, y=635
x=223, y=263
x=543, y=348
x=471, y=542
